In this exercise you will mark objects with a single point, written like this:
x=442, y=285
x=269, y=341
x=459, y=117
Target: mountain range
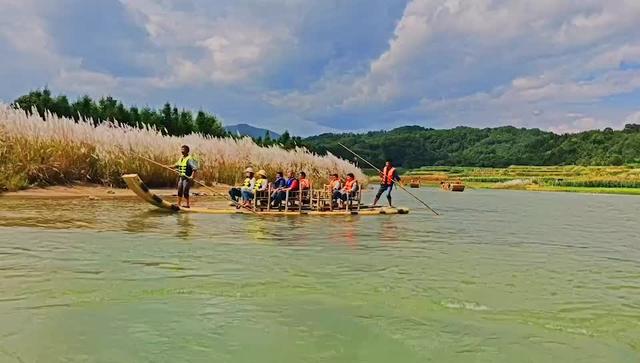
x=251, y=131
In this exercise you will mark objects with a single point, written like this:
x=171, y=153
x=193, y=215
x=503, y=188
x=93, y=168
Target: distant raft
x=452, y=186
x=141, y=190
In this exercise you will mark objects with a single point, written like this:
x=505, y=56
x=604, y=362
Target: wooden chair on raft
x=262, y=200
x=322, y=199
x=298, y=199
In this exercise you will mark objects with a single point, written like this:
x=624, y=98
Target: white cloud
x=613, y=58
x=23, y=27
x=231, y=47
x=633, y=118
x=581, y=124
x=82, y=81
x=447, y=62
x=439, y=47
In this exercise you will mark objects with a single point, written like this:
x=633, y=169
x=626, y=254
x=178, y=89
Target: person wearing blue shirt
x=280, y=182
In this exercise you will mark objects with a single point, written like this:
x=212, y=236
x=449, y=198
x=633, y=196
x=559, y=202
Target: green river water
x=501, y=276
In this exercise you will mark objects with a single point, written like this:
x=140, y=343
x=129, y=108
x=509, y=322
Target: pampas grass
x=59, y=150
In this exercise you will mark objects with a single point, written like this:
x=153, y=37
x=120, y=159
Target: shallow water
x=502, y=276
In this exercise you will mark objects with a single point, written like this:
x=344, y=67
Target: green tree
x=84, y=108
x=61, y=107
x=186, y=123
x=107, y=107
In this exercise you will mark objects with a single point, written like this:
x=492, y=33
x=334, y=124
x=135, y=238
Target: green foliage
x=169, y=119
x=286, y=141
x=415, y=146
x=409, y=146
x=541, y=177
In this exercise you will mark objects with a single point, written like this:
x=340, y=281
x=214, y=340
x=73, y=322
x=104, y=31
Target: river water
x=501, y=276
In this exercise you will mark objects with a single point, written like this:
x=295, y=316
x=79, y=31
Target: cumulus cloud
x=489, y=55
x=310, y=65
x=209, y=44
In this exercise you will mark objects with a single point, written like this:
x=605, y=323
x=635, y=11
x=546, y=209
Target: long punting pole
x=400, y=185
x=197, y=181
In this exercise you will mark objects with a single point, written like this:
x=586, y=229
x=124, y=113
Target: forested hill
x=409, y=146
x=414, y=146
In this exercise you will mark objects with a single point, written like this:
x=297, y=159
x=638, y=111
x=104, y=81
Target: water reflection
x=185, y=225
x=259, y=230
x=389, y=231
x=345, y=231
x=146, y=221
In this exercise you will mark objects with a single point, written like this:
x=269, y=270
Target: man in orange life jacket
x=388, y=176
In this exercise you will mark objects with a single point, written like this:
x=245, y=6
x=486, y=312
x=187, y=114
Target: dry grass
x=58, y=151
x=513, y=184
x=595, y=179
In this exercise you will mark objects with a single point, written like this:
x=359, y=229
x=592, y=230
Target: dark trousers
x=235, y=194
x=278, y=197
x=343, y=196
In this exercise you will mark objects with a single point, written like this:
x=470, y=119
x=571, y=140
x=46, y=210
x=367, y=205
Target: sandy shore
x=86, y=190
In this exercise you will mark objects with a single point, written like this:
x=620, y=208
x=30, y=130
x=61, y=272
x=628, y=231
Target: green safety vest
x=183, y=166
x=259, y=183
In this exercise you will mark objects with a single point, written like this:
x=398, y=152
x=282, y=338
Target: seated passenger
x=249, y=182
x=280, y=182
x=280, y=194
x=335, y=184
x=305, y=184
x=259, y=184
x=349, y=190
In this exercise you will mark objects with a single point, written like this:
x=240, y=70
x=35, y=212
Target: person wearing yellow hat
x=249, y=183
x=257, y=184
x=261, y=183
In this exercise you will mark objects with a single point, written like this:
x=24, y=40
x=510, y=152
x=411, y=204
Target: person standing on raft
x=388, y=177
x=187, y=167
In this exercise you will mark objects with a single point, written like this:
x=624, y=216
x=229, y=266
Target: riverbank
x=577, y=179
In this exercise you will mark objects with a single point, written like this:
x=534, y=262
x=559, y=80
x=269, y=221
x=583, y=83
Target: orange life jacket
x=349, y=184
x=387, y=175
x=305, y=184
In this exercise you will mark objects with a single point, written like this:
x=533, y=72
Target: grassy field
x=585, y=179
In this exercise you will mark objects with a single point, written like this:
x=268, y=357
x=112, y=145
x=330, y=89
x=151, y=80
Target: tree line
x=169, y=120
x=408, y=146
x=415, y=146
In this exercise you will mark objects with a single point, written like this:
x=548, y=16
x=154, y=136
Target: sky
x=313, y=66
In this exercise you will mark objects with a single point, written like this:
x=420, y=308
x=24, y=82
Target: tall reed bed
x=59, y=150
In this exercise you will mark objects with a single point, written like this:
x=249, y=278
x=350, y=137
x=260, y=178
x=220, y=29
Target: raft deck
x=141, y=190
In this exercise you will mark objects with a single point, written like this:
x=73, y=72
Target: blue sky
x=314, y=66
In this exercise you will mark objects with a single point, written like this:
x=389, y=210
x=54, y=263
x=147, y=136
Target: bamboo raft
x=452, y=186
x=141, y=190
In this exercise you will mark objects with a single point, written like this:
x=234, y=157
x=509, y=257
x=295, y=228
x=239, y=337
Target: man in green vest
x=187, y=167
